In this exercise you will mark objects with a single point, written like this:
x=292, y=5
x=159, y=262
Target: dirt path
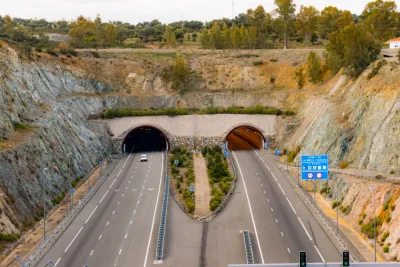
x=34, y=236
x=203, y=195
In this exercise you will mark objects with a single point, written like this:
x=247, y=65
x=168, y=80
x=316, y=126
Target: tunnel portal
x=145, y=139
x=245, y=138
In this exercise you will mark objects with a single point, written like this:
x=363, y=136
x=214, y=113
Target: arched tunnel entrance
x=245, y=138
x=145, y=138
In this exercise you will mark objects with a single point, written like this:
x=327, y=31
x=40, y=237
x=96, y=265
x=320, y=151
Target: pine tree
x=314, y=68
x=235, y=37
x=205, y=39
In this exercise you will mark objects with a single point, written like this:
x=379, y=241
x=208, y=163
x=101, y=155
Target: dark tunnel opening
x=245, y=138
x=144, y=139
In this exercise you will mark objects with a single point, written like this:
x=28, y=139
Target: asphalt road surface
x=281, y=223
x=119, y=226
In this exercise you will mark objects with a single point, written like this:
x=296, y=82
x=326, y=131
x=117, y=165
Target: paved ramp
x=202, y=186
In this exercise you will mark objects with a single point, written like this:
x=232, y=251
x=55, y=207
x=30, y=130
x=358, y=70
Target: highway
x=281, y=223
x=119, y=226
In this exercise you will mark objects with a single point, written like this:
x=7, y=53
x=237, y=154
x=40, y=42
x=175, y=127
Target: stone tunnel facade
x=191, y=131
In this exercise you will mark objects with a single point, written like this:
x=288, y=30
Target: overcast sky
x=134, y=11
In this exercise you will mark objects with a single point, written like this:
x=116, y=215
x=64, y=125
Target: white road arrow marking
x=134, y=190
x=151, y=189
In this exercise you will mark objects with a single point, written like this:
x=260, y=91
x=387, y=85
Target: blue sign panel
x=192, y=188
x=226, y=153
x=72, y=191
x=314, y=167
x=278, y=152
x=101, y=163
x=176, y=162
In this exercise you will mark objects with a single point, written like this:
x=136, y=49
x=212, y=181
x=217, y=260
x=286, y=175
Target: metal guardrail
x=34, y=258
x=210, y=216
x=163, y=221
x=248, y=247
x=321, y=215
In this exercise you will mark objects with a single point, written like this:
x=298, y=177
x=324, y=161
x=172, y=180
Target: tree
x=180, y=35
x=194, y=37
x=169, y=37
x=235, y=37
x=226, y=33
x=122, y=32
x=261, y=21
x=286, y=9
x=252, y=37
x=110, y=34
x=205, y=38
x=300, y=77
x=82, y=31
x=345, y=19
x=306, y=21
x=244, y=38
x=314, y=68
x=216, y=39
x=381, y=19
x=180, y=75
x=352, y=48
x=328, y=21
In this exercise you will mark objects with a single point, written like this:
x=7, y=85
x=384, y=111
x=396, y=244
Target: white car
x=143, y=157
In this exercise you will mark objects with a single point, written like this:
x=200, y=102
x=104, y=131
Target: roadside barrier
x=163, y=220
x=248, y=247
x=45, y=245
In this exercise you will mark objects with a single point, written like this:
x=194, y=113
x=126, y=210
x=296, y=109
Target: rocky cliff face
x=58, y=137
x=357, y=122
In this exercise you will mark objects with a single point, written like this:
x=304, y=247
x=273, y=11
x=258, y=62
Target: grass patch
x=377, y=68
x=258, y=63
x=368, y=230
x=115, y=113
x=335, y=203
x=386, y=249
x=385, y=235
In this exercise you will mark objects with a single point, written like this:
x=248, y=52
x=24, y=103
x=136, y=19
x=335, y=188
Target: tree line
x=259, y=29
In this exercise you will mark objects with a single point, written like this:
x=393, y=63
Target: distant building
x=394, y=43
x=56, y=37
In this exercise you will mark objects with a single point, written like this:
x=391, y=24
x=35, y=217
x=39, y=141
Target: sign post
x=71, y=193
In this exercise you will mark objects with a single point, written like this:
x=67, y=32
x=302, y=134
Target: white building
x=394, y=43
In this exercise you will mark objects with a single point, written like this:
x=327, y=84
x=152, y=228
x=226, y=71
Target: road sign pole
x=315, y=191
x=337, y=206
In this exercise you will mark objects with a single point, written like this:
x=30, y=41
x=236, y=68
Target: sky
x=166, y=11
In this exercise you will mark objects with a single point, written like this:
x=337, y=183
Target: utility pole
x=337, y=205
x=182, y=20
x=44, y=209
x=233, y=9
x=373, y=189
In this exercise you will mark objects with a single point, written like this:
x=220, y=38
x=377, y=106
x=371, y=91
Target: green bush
x=258, y=63
x=20, y=126
x=386, y=249
x=190, y=205
x=52, y=52
x=38, y=49
x=95, y=54
x=377, y=68
x=335, y=203
x=324, y=190
x=69, y=52
x=368, y=230
x=385, y=235
x=300, y=78
x=272, y=79
x=174, y=169
x=389, y=218
x=225, y=187
x=8, y=238
x=178, y=184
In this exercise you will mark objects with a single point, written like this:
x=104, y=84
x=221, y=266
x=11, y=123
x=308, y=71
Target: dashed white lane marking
x=304, y=228
x=154, y=215
x=118, y=203
x=107, y=223
x=103, y=196
x=113, y=183
x=91, y=214
x=126, y=235
x=122, y=195
x=274, y=177
x=282, y=234
x=257, y=174
x=138, y=202
x=130, y=223
x=100, y=237
x=264, y=192
x=281, y=189
x=113, y=212
x=251, y=212
x=259, y=179
x=291, y=206
x=129, y=182
x=288, y=250
x=319, y=253
x=134, y=190
x=272, y=209
x=120, y=250
x=126, y=188
x=261, y=185
x=276, y=220
x=91, y=253
x=57, y=262
x=268, y=199
x=134, y=212
x=119, y=173
x=73, y=239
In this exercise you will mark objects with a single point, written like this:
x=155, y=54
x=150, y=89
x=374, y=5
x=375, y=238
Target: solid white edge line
x=251, y=212
x=319, y=253
x=304, y=228
x=91, y=214
x=113, y=183
x=103, y=197
x=73, y=239
x=57, y=262
x=291, y=206
x=119, y=173
x=155, y=210
x=281, y=189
